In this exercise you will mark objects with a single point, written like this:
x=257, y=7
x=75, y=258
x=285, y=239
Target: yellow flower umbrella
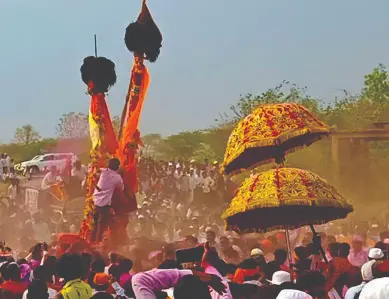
x=269, y=133
x=284, y=198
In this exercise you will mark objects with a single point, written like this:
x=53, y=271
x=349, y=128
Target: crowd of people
x=176, y=247
x=223, y=265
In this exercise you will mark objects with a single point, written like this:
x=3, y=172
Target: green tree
x=152, y=143
x=285, y=92
x=377, y=85
x=26, y=135
x=116, y=124
x=73, y=126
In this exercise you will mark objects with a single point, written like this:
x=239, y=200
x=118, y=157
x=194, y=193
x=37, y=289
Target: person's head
x=191, y=287
x=114, y=164
x=69, y=267
x=280, y=256
x=357, y=243
x=13, y=271
x=125, y=265
x=86, y=261
x=191, y=241
x=40, y=273
x=49, y=265
x=266, y=246
x=301, y=252
x=102, y=296
x=37, y=290
x=97, y=266
x=280, y=277
x=101, y=282
x=113, y=257
x=344, y=250
x=312, y=283
x=376, y=254
x=77, y=165
x=333, y=249
x=210, y=235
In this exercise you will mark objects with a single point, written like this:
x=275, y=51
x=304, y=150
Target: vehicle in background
x=44, y=162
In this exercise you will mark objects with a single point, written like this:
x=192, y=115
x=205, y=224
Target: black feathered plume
x=143, y=36
x=100, y=71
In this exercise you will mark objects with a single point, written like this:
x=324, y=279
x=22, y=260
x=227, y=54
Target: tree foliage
x=73, y=126
x=26, y=135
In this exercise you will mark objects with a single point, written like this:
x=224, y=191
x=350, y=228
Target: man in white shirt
x=50, y=179
x=109, y=180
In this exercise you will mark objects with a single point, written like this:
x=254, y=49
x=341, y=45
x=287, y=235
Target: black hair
x=40, y=273
x=249, y=263
x=301, y=252
x=334, y=249
x=13, y=271
x=86, y=261
x=114, y=164
x=69, y=267
x=344, y=250
x=126, y=265
x=100, y=71
x=191, y=287
x=102, y=296
x=37, y=289
x=280, y=255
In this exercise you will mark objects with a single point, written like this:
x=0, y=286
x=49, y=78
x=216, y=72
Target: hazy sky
x=213, y=51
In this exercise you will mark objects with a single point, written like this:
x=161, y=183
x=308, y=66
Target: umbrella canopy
x=270, y=132
x=284, y=197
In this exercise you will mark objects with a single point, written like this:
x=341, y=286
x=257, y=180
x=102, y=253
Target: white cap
x=367, y=271
x=376, y=253
x=280, y=277
x=293, y=294
x=255, y=252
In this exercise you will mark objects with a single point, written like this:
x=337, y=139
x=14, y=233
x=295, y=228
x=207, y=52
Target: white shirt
x=208, y=182
x=108, y=182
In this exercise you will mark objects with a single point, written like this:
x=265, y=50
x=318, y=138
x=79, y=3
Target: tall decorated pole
x=98, y=73
x=144, y=40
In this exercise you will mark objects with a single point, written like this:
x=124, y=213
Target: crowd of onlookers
x=211, y=263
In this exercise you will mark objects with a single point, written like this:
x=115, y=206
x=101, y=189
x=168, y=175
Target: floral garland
x=99, y=158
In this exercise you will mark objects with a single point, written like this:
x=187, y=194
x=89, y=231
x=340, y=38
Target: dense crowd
x=177, y=248
x=226, y=265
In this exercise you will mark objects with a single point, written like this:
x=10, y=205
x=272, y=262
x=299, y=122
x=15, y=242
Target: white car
x=44, y=162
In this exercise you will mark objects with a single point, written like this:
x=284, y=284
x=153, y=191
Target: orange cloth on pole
x=130, y=138
x=101, y=128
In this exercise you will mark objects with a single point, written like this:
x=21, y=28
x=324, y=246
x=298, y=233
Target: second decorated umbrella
x=284, y=198
x=269, y=133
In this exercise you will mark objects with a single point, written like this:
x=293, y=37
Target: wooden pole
x=95, y=45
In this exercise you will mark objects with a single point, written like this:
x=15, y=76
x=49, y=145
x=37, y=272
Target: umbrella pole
x=288, y=245
x=321, y=248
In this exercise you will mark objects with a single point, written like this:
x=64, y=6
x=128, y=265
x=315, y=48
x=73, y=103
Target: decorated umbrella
x=269, y=133
x=284, y=198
